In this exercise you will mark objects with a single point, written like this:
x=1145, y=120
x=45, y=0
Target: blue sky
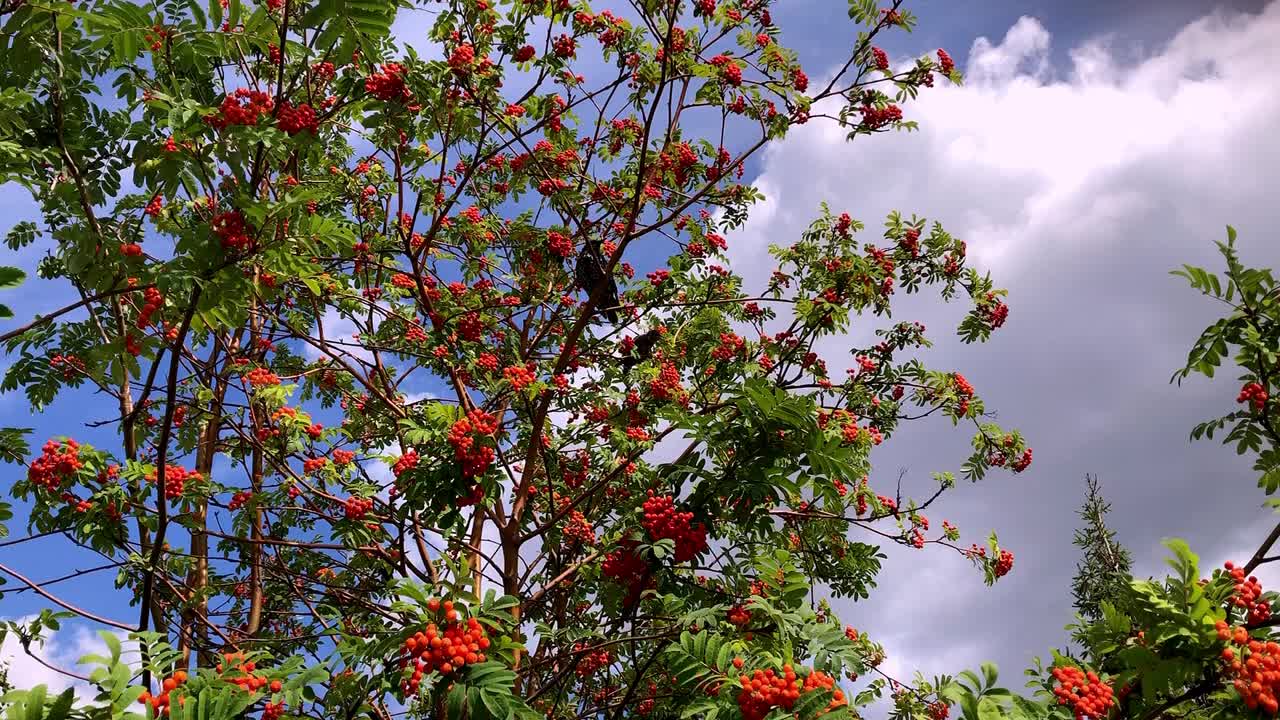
x=1097, y=146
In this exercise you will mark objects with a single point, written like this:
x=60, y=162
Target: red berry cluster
x=407, y=462
x=261, y=377
x=739, y=616
x=996, y=313
x=70, y=365
x=938, y=710
x=551, y=186
x=294, y=120
x=153, y=300
x=59, y=463
x=311, y=465
x=160, y=703
x=1084, y=693
x=343, y=457
x=592, y=661
x=945, y=63
x=462, y=57
x=730, y=71
x=564, y=46
x=1023, y=462
x=627, y=567
x=232, y=230
x=175, y=479
x=1255, y=394
x=1255, y=672
x=799, y=80
x=881, y=58
x=242, y=107
x=475, y=457
x=1004, y=563
x=874, y=118
x=388, y=83
x=730, y=347
x=239, y=499
x=663, y=522
x=559, y=244
x=272, y=711
x=154, y=207
x=355, y=508
x=445, y=648
x=1248, y=595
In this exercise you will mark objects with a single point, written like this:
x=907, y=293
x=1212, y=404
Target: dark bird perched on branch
x=590, y=273
x=642, y=350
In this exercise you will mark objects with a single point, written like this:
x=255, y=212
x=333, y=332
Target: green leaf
x=11, y=277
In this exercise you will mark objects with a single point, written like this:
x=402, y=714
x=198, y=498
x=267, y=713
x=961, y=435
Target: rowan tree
x=427, y=385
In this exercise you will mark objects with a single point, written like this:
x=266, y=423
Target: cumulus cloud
x=62, y=650
x=1079, y=184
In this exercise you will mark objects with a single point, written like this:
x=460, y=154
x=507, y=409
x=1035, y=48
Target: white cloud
x=339, y=332
x=61, y=649
x=1014, y=153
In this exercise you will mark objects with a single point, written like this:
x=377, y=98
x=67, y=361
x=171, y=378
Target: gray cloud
x=1079, y=185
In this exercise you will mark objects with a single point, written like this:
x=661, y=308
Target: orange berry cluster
x=519, y=376
x=1248, y=594
x=667, y=385
x=355, y=507
x=765, y=690
x=663, y=522
x=262, y=377
x=818, y=679
x=739, y=615
x=447, y=649
x=59, y=463
x=160, y=703
x=1255, y=671
x=175, y=479
x=578, y=530
x=245, y=677
x=1084, y=693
